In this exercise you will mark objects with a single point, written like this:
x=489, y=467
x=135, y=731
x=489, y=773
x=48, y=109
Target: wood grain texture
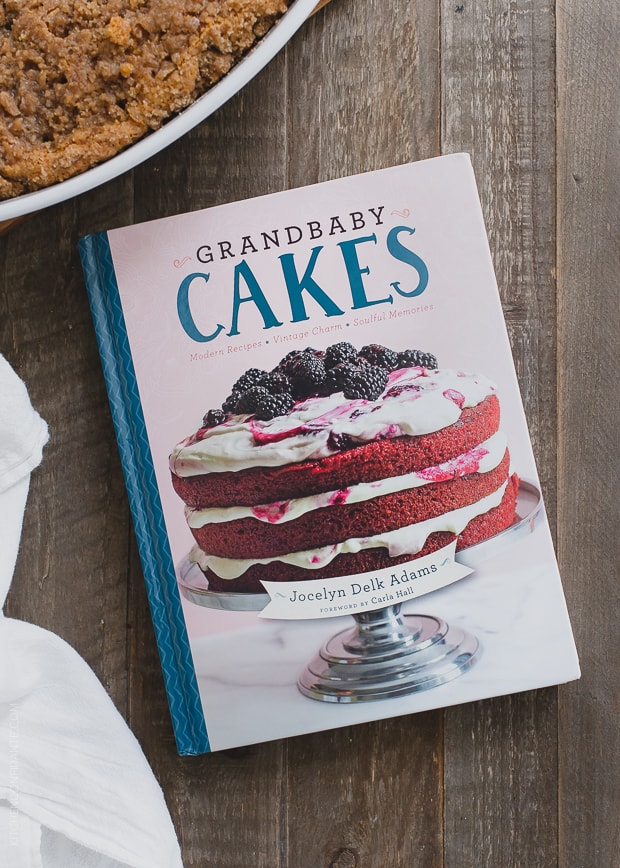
x=75, y=506
x=375, y=806
x=530, y=90
x=498, y=96
x=339, y=124
x=589, y=421
x=229, y=807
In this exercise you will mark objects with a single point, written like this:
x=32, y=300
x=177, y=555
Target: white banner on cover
x=349, y=595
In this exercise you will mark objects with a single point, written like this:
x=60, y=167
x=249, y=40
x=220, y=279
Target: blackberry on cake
x=380, y=356
x=416, y=359
x=276, y=383
x=338, y=353
x=362, y=380
x=249, y=378
x=306, y=373
x=213, y=418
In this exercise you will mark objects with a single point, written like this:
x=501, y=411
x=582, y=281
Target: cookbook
x=326, y=456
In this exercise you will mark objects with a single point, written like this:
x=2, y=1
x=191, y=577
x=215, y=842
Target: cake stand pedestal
x=385, y=654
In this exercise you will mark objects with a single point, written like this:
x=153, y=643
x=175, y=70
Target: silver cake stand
x=386, y=653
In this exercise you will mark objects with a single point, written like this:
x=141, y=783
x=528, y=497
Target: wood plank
x=70, y=576
x=228, y=808
x=588, y=267
x=363, y=90
x=363, y=94
x=7, y=225
x=498, y=105
x=367, y=795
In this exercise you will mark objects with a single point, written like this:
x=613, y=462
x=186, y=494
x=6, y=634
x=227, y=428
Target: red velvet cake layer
x=251, y=538
x=368, y=462
x=479, y=529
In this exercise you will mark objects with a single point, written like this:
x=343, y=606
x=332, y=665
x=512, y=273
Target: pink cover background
x=463, y=326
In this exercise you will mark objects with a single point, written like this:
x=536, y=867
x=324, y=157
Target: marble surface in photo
x=513, y=603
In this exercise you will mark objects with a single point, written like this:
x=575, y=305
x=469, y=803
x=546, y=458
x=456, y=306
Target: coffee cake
x=80, y=80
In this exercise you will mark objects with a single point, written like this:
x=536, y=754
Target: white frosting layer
x=405, y=540
x=481, y=459
x=416, y=401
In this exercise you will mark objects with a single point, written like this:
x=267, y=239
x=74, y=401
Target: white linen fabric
x=75, y=786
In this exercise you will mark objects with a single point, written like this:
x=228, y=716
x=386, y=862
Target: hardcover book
x=326, y=456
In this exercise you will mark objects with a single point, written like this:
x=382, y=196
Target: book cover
x=326, y=457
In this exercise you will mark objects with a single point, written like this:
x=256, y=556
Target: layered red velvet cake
x=341, y=462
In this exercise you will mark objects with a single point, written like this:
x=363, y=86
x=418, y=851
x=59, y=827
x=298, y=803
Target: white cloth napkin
x=75, y=787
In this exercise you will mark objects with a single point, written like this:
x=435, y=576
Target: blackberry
x=380, y=356
x=417, y=359
x=337, y=353
x=250, y=400
x=229, y=405
x=275, y=383
x=287, y=361
x=358, y=381
x=291, y=359
x=248, y=379
x=337, y=376
x=262, y=404
x=213, y=418
x=274, y=405
x=339, y=441
x=320, y=354
x=307, y=375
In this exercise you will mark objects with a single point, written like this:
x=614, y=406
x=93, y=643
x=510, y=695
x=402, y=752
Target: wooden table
x=531, y=92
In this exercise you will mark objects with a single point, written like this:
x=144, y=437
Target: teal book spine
x=144, y=499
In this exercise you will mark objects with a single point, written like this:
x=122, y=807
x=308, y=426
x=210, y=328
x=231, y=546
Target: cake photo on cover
x=337, y=462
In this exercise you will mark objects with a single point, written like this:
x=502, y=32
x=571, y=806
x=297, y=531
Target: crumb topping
x=82, y=79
